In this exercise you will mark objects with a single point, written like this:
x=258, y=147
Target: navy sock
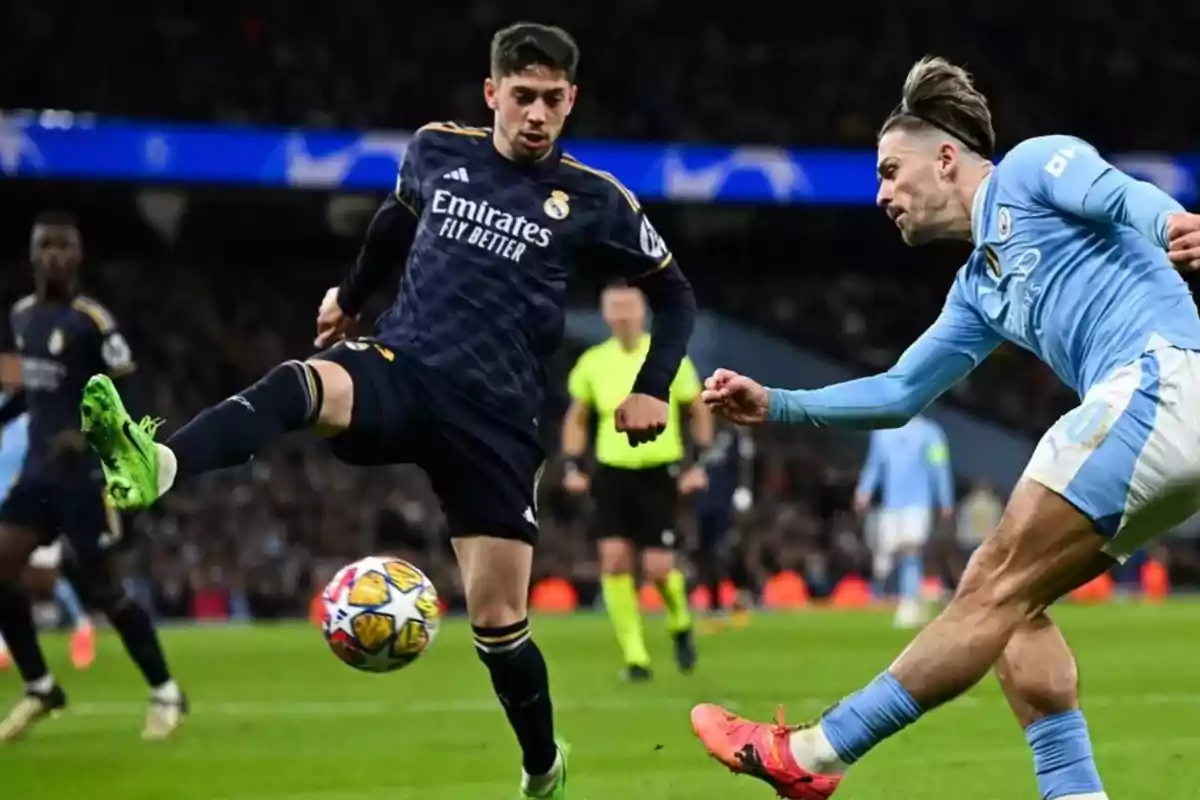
x=865, y=719
x=1062, y=756
x=521, y=682
x=16, y=624
x=229, y=434
x=141, y=641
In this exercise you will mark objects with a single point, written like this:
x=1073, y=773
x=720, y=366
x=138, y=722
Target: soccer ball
x=380, y=614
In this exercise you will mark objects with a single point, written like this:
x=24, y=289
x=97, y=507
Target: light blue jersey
x=1069, y=263
x=14, y=441
x=909, y=467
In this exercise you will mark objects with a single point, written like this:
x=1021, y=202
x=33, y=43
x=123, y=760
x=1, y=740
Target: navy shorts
x=69, y=501
x=483, y=465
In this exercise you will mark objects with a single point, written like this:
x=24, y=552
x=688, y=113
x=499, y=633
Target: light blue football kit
x=1070, y=264
x=909, y=467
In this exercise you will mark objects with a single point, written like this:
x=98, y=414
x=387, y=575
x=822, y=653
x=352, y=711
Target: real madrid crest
x=557, y=205
x=55, y=343
x=1004, y=223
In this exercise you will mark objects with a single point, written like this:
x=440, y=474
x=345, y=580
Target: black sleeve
x=631, y=249
x=388, y=237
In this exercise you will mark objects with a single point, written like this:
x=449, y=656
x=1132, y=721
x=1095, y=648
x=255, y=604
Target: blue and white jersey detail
x=1070, y=262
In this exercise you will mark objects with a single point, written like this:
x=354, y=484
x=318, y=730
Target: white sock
x=813, y=752
x=167, y=693
x=168, y=465
x=42, y=685
x=538, y=785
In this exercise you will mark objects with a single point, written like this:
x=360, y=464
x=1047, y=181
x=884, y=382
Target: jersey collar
x=979, y=209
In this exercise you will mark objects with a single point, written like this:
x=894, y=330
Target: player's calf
x=658, y=565
x=168, y=705
x=1040, y=680
x=292, y=396
x=496, y=575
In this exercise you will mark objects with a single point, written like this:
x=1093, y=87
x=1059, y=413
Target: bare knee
x=337, y=396
x=495, y=575
x=657, y=564
x=616, y=556
x=1038, y=672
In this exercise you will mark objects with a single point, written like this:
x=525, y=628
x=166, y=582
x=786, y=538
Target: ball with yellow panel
x=380, y=614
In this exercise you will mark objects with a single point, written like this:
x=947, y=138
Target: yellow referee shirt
x=603, y=377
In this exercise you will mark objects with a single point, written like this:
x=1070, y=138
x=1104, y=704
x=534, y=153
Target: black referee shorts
x=638, y=505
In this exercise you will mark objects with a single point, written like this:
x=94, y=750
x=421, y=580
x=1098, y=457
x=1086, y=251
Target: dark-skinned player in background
x=492, y=223
x=62, y=338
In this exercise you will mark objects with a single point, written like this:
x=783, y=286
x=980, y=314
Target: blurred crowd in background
x=234, y=289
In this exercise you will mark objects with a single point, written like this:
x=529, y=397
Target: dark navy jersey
x=483, y=298
x=61, y=346
x=724, y=470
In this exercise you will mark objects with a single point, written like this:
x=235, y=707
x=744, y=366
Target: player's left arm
x=1070, y=175
x=937, y=456
x=389, y=235
x=633, y=250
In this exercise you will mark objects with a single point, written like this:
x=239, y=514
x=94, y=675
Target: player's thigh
x=1042, y=548
x=1129, y=457
x=92, y=529
x=495, y=573
x=612, y=518
x=25, y=522
x=371, y=411
x=485, y=470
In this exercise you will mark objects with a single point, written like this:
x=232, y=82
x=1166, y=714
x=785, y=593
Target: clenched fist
x=642, y=418
x=736, y=397
x=1183, y=241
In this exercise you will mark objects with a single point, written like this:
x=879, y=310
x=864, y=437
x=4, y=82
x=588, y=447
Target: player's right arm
x=955, y=344
x=575, y=425
x=870, y=476
x=389, y=235
x=14, y=404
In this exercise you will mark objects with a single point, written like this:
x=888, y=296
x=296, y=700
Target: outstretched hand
x=736, y=397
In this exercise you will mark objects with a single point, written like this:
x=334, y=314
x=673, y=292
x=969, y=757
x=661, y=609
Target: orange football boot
x=760, y=750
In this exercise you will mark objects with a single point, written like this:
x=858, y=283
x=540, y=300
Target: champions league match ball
x=380, y=614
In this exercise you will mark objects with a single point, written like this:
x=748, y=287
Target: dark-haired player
x=62, y=338
x=1073, y=261
x=492, y=222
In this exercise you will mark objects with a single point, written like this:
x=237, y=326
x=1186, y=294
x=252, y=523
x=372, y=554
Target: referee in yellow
x=636, y=489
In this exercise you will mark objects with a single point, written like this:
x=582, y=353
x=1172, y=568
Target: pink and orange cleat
x=83, y=647
x=760, y=750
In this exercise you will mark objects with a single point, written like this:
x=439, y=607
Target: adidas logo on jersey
x=459, y=174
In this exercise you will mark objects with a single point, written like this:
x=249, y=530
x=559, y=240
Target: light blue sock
x=1062, y=756
x=64, y=593
x=865, y=719
x=910, y=569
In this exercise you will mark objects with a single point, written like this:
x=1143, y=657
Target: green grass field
x=276, y=717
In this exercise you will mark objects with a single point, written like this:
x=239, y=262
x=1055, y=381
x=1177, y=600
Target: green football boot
x=127, y=449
